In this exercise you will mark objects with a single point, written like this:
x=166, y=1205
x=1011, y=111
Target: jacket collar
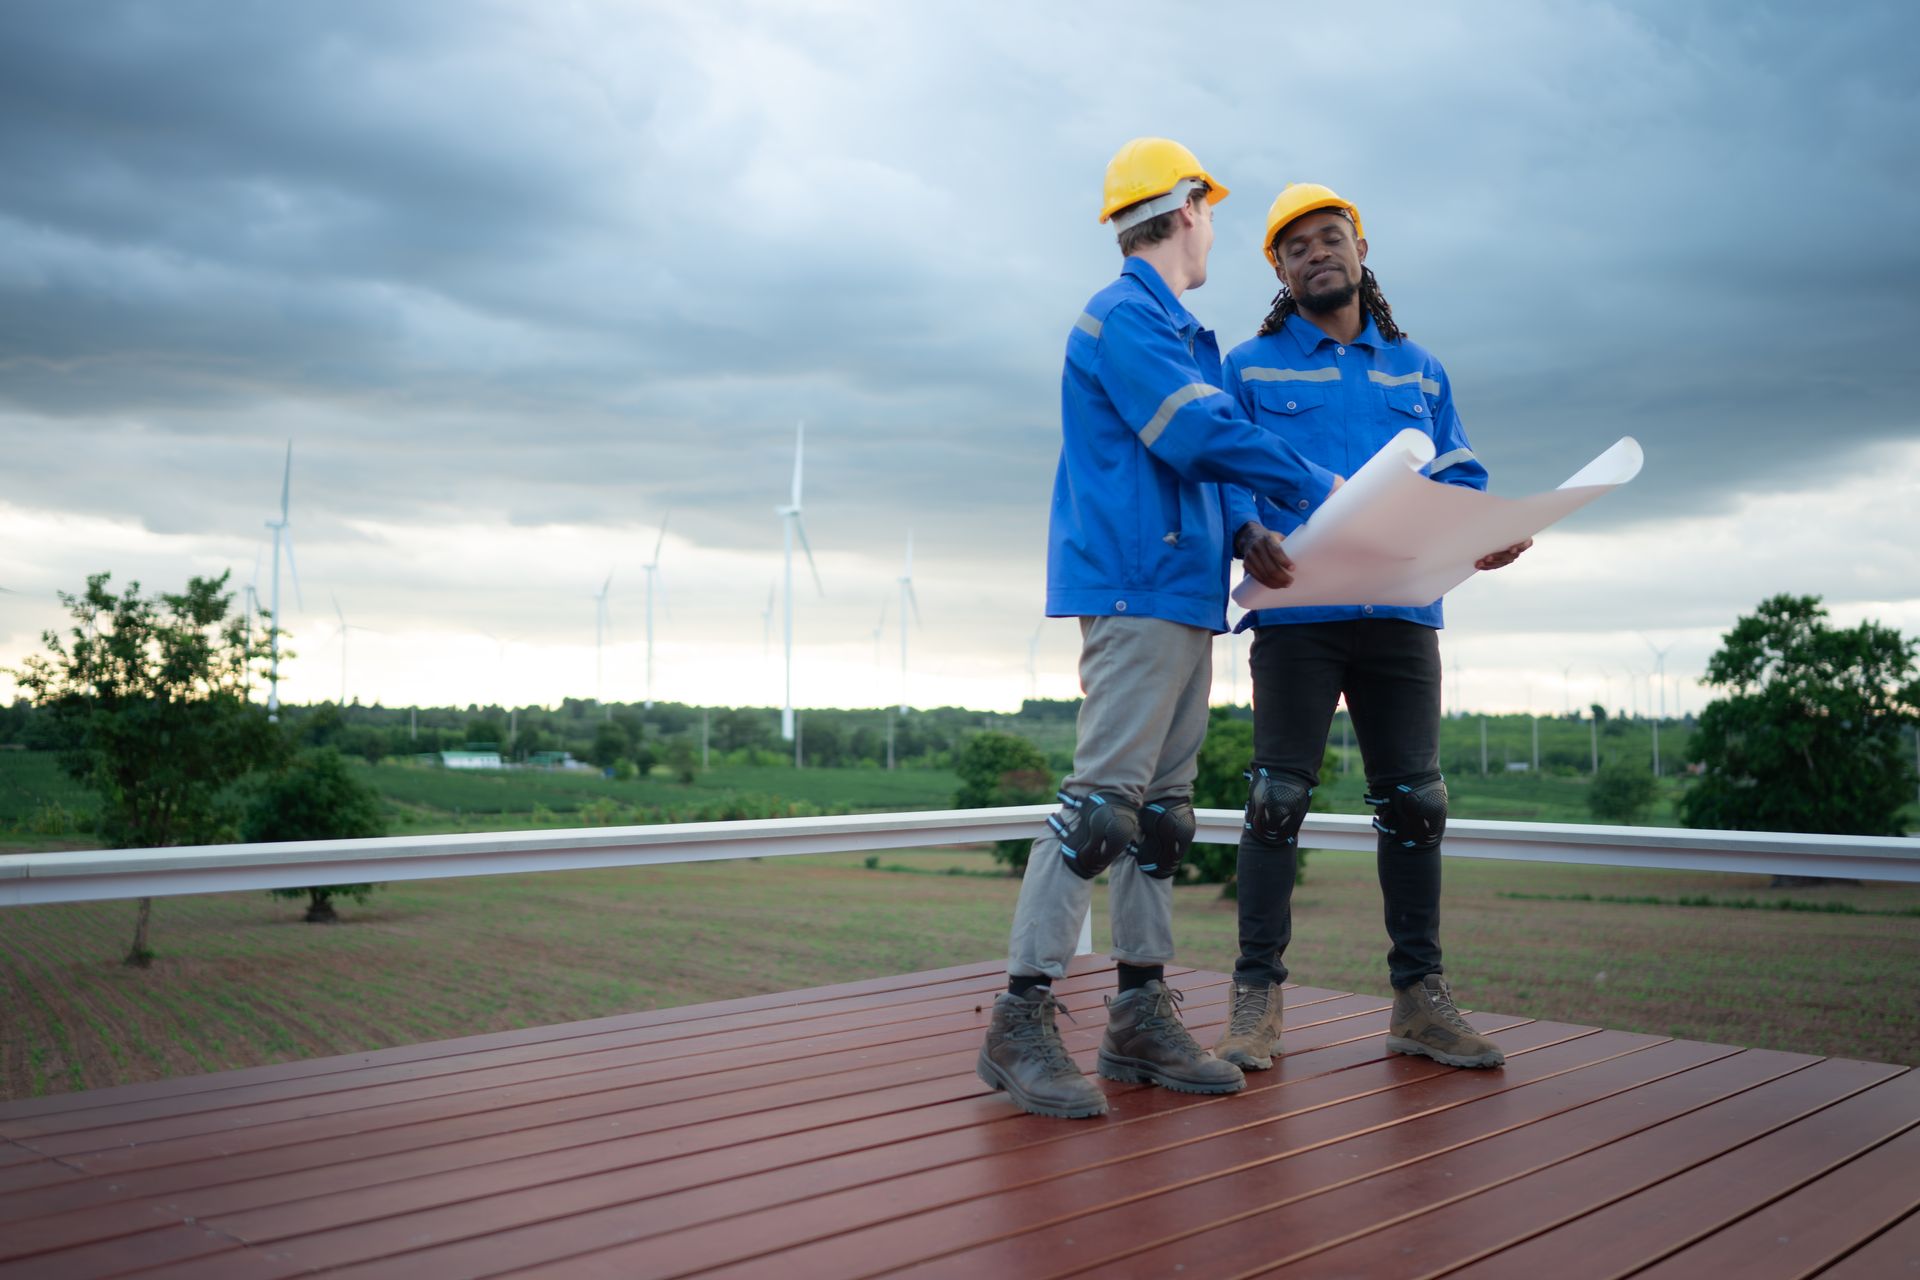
x=1310, y=336
x=1143, y=271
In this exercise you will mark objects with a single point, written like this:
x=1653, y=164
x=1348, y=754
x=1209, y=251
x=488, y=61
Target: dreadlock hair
x=1375, y=302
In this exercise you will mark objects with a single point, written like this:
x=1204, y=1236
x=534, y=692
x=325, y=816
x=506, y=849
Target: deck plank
x=1812, y=1227
x=1488, y=1222
x=841, y=1131
x=1894, y=1252
x=1633, y=1232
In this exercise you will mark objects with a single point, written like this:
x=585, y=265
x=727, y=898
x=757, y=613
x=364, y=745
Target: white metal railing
x=138, y=873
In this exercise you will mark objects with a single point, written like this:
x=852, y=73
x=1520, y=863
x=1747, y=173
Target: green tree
x=610, y=742
x=1808, y=736
x=998, y=769
x=1621, y=792
x=317, y=797
x=149, y=699
x=683, y=760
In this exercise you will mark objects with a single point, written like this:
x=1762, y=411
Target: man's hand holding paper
x=1392, y=536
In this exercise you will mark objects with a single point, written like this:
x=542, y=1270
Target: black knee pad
x=1166, y=833
x=1095, y=832
x=1275, y=808
x=1412, y=816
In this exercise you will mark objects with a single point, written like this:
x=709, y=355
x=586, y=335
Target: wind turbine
x=1660, y=669
x=790, y=525
x=651, y=567
x=906, y=598
x=344, y=628
x=280, y=527
x=600, y=639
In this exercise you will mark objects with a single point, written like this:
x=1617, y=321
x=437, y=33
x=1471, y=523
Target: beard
x=1331, y=299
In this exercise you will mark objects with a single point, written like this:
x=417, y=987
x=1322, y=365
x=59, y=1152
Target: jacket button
x=1120, y=606
x=1303, y=504
x=1292, y=405
x=1340, y=351
x=1419, y=408
x=1366, y=608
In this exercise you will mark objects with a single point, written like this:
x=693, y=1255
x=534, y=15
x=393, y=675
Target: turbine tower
x=652, y=567
x=906, y=598
x=790, y=525
x=282, y=537
x=600, y=640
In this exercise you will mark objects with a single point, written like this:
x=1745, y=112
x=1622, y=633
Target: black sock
x=1135, y=976
x=1021, y=983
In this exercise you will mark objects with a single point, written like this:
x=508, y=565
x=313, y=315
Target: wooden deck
x=841, y=1132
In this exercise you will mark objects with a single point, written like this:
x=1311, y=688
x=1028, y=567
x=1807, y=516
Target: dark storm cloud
x=558, y=265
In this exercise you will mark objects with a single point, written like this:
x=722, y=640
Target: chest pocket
x=1301, y=413
x=1410, y=409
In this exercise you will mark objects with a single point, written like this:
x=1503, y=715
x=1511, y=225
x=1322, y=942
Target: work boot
x=1252, y=1037
x=1146, y=1043
x=1425, y=1021
x=1024, y=1056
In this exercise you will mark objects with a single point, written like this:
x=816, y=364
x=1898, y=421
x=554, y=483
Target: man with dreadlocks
x=1137, y=552
x=1333, y=374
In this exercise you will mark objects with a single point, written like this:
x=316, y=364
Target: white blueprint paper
x=1392, y=536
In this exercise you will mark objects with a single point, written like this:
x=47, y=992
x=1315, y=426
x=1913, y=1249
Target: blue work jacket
x=1149, y=442
x=1338, y=404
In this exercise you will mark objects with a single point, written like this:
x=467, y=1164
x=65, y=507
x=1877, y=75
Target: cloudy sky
x=520, y=281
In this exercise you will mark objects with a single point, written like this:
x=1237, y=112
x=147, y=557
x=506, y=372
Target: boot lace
x=1445, y=1010
x=1249, y=1008
x=1035, y=1029
x=1164, y=1024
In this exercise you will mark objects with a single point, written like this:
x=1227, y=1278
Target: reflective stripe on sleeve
x=1451, y=458
x=1172, y=405
x=1256, y=374
x=1087, y=325
x=1427, y=384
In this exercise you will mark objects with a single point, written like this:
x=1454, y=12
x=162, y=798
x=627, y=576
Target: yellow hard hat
x=1149, y=167
x=1297, y=198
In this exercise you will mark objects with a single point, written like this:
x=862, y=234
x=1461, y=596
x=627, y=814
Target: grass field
x=41, y=808
x=240, y=981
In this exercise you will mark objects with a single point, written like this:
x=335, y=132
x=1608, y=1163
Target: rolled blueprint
x=1392, y=536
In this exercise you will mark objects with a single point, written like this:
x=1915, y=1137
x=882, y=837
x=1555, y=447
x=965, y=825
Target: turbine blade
x=661, y=540
x=293, y=569
x=909, y=572
x=336, y=610
x=806, y=546
x=883, y=614
x=914, y=600
x=799, y=453
x=286, y=482
x=605, y=586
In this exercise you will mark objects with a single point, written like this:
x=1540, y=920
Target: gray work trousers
x=1140, y=730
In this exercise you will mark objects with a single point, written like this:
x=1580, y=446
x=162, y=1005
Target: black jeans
x=1389, y=670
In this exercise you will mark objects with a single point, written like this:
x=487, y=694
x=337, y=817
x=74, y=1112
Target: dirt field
x=241, y=981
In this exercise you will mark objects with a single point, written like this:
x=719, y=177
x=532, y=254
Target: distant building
x=553, y=760
x=470, y=760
